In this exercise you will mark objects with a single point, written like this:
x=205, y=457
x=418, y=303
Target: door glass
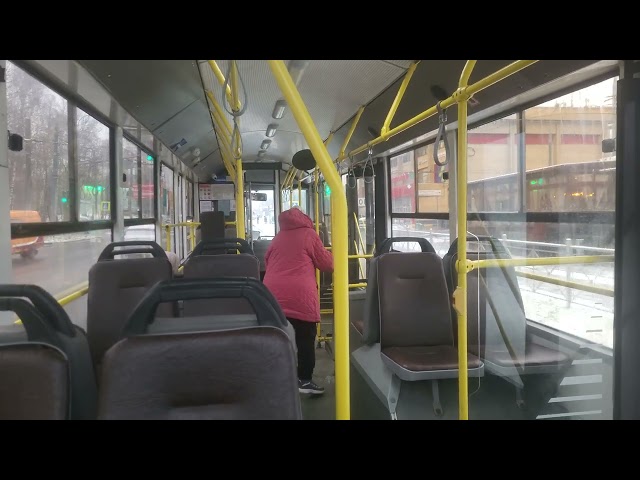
x=263, y=213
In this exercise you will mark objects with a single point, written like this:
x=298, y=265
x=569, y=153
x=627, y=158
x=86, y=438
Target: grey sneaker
x=309, y=387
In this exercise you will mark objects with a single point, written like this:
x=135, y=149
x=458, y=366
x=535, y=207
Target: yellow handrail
x=220, y=114
x=398, y=99
x=224, y=129
x=67, y=298
x=74, y=296
x=352, y=129
x=340, y=237
x=292, y=177
x=220, y=76
x=567, y=283
x=235, y=105
x=362, y=245
x=531, y=262
x=470, y=90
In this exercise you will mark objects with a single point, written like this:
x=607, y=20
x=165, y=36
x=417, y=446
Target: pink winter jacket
x=291, y=260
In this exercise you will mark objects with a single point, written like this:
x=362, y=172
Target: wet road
x=59, y=267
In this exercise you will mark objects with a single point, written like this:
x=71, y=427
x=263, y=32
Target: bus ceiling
x=174, y=100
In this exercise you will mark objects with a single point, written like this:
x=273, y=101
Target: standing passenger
x=291, y=260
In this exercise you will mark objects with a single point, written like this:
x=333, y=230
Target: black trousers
x=306, y=343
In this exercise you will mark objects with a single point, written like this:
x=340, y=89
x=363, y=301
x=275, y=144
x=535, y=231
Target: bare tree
x=39, y=174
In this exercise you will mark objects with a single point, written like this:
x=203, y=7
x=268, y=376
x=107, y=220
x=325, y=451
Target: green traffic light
x=63, y=199
x=100, y=188
x=150, y=158
x=327, y=189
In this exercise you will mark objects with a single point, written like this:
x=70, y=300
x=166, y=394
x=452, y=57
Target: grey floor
x=321, y=407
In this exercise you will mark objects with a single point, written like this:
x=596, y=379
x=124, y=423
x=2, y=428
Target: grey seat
x=230, y=232
x=116, y=286
x=35, y=382
x=239, y=374
x=496, y=322
x=215, y=266
x=369, y=324
x=416, y=332
x=45, y=364
x=211, y=226
x=260, y=248
x=215, y=370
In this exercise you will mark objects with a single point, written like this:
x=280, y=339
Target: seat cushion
x=425, y=359
x=535, y=356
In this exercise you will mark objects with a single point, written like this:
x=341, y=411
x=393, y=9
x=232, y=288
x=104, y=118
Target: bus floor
x=322, y=407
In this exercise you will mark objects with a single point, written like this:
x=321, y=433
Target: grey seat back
x=211, y=225
x=215, y=266
x=371, y=314
x=371, y=318
x=264, y=306
x=35, y=382
x=215, y=373
x=45, y=322
x=495, y=310
x=265, y=310
x=260, y=248
x=230, y=232
x=234, y=374
x=115, y=288
x=414, y=303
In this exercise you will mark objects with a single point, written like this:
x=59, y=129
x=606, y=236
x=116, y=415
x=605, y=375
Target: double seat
x=408, y=312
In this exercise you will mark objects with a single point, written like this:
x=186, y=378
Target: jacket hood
x=294, y=218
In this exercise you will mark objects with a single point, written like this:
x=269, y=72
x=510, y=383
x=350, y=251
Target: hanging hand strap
x=442, y=136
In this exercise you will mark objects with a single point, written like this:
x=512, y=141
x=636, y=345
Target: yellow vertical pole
x=340, y=237
x=460, y=296
x=240, y=199
x=316, y=178
x=240, y=223
x=300, y=191
x=316, y=174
